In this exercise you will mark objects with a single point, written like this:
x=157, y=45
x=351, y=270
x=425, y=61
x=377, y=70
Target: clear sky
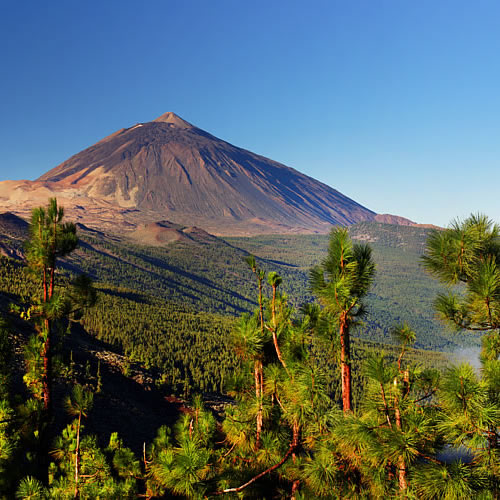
x=394, y=103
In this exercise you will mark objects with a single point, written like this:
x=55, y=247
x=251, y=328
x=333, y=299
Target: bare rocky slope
x=168, y=169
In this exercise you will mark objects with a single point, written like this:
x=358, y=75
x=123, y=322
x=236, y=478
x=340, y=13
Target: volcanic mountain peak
x=170, y=169
x=173, y=119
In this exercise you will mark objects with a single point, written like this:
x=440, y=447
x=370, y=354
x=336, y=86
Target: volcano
x=169, y=169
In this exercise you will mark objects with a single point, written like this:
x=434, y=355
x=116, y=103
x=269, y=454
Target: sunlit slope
x=209, y=274
x=402, y=290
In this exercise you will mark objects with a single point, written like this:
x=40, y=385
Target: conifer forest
x=265, y=367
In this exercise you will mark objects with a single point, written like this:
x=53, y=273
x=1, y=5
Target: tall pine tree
x=340, y=283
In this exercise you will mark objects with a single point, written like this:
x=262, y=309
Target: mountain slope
x=188, y=267
x=188, y=176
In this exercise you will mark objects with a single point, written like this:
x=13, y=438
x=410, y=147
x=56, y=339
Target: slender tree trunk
x=259, y=376
x=275, y=336
x=256, y=376
x=386, y=407
x=273, y=307
x=402, y=469
x=295, y=444
x=46, y=376
x=77, y=455
x=295, y=439
x=261, y=306
x=51, y=287
x=278, y=351
x=44, y=436
x=54, y=246
x=345, y=363
x=47, y=371
x=45, y=292
x=258, y=476
x=46, y=388
x=258, y=395
x=44, y=266
x=406, y=383
x=405, y=373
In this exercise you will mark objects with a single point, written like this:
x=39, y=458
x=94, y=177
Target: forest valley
x=310, y=412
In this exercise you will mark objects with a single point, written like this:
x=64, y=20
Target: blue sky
x=394, y=103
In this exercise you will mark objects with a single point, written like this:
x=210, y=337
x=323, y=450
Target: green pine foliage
x=113, y=472
x=184, y=464
x=189, y=349
x=401, y=290
x=419, y=427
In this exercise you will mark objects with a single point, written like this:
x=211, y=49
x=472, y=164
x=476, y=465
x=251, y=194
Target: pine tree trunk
x=47, y=372
x=258, y=395
x=47, y=375
x=261, y=307
x=402, y=471
x=406, y=383
x=258, y=371
x=259, y=376
x=77, y=455
x=45, y=293
x=345, y=363
x=295, y=439
x=295, y=489
x=54, y=246
x=386, y=407
x=403, y=482
x=51, y=287
x=43, y=456
x=275, y=336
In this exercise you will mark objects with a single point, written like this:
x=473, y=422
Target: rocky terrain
x=170, y=170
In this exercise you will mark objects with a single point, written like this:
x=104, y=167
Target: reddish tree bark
x=345, y=364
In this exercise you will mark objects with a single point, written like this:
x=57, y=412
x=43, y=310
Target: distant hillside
x=13, y=233
x=165, y=232
x=402, y=290
x=140, y=344
x=190, y=267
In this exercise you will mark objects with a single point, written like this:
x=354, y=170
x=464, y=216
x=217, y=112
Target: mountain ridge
x=168, y=169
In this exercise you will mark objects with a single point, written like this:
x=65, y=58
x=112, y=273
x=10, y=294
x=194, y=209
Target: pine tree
x=257, y=340
x=469, y=253
x=81, y=469
x=185, y=463
x=78, y=405
x=294, y=403
x=340, y=283
x=50, y=239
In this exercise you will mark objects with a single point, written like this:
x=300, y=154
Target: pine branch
x=428, y=395
x=230, y=450
x=258, y=476
x=431, y=459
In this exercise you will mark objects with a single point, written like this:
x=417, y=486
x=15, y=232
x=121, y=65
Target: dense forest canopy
x=306, y=414
x=208, y=274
